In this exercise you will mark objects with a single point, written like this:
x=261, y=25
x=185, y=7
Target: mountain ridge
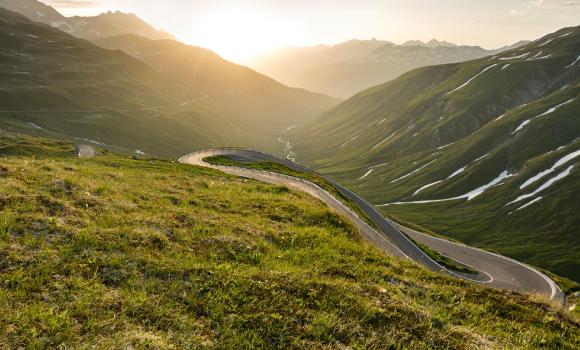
x=344, y=69
x=68, y=85
x=103, y=25
x=437, y=134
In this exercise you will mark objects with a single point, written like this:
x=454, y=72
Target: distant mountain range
x=486, y=151
x=180, y=99
x=104, y=25
x=345, y=69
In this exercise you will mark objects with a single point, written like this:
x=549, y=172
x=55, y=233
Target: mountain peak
x=433, y=43
x=109, y=23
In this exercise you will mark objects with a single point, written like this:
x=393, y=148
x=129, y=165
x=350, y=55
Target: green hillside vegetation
x=114, y=252
x=330, y=188
x=69, y=86
x=443, y=131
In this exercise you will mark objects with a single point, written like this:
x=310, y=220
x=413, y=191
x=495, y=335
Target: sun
x=241, y=33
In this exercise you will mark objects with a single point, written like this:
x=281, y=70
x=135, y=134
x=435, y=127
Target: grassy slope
x=115, y=252
x=241, y=90
x=330, y=188
x=424, y=117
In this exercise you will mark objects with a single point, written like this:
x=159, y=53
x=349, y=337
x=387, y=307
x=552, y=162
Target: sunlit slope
x=240, y=89
x=69, y=86
x=117, y=253
x=471, y=134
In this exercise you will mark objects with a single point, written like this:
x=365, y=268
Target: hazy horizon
x=241, y=30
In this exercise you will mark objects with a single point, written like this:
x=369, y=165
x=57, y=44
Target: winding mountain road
x=494, y=270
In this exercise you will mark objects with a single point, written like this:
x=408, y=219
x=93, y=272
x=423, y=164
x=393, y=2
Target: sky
x=243, y=29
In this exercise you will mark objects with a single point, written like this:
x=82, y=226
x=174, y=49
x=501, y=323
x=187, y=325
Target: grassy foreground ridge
x=114, y=252
x=329, y=187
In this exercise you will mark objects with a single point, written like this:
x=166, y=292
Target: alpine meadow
x=257, y=174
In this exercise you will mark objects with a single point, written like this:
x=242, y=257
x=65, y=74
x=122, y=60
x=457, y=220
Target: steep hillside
x=55, y=83
x=202, y=72
x=103, y=25
x=113, y=252
x=347, y=68
x=485, y=151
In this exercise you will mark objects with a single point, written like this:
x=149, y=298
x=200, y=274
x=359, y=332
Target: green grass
x=114, y=252
x=282, y=169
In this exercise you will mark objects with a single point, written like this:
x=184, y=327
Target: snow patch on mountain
x=480, y=158
x=473, y=78
x=427, y=186
x=457, y=172
x=366, y=174
x=554, y=167
x=522, y=126
x=529, y=204
x=573, y=63
x=382, y=142
x=514, y=57
x=549, y=111
x=469, y=196
x=546, y=42
x=348, y=141
x=413, y=172
x=546, y=185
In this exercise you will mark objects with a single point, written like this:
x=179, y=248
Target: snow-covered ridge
x=472, y=79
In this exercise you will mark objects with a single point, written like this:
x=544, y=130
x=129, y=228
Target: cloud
x=540, y=7
x=553, y=3
x=74, y=3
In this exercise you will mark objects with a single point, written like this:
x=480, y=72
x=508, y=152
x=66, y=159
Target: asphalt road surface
x=494, y=270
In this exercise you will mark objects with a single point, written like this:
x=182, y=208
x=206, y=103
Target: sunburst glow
x=239, y=33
